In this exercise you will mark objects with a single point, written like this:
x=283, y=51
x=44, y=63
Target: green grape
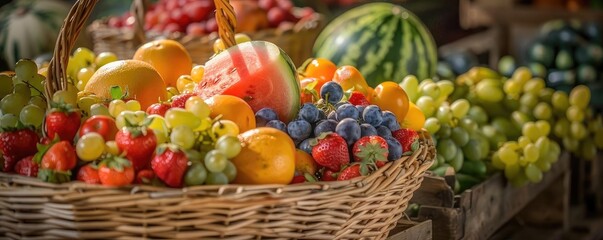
x=410, y=84
x=444, y=114
x=543, y=111
x=575, y=114
x=577, y=131
x=496, y=162
x=183, y=136
x=489, y=131
x=444, y=131
x=484, y=146
x=543, y=164
x=447, y=149
x=216, y=178
x=469, y=125
x=460, y=108
x=446, y=87
x=229, y=145
x=427, y=105
x=543, y=145
x=32, y=115
x=215, y=161
x=99, y=109
x=523, y=141
x=520, y=180
x=85, y=103
x=531, y=153
x=195, y=175
x=133, y=105
x=531, y=131
x=505, y=126
x=38, y=101
x=497, y=140
x=570, y=144
x=105, y=57
x=12, y=104
x=22, y=90
x=198, y=107
x=554, y=149
x=508, y=156
x=533, y=173
x=90, y=146
x=459, y=136
x=180, y=117
x=457, y=162
x=194, y=155
x=488, y=92
x=8, y=120
x=588, y=150
x=544, y=127
x=116, y=107
x=440, y=159
x=230, y=171
x=580, y=96
x=431, y=89
x=26, y=70
x=599, y=139
x=528, y=100
x=224, y=127
x=546, y=95
x=561, y=128
x=513, y=145
x=64, y=96
x=512, y=171
x=534, y=86
x=478, y=114
x=512, y=87
x=472, y=150
x=560, y=101
x=522, y=75
x=84, y=56
x=85, y=74
x=432, y=125
x=6, y=85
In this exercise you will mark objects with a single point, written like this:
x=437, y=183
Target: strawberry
x=370, y=151
x=170, y=164
x=17, y=144
x=350, y=172
x=63, y=121
x=144, y=176
x=138, y=143
x=56, y=161
x=27, y=167
x=180, y=100
x=358, y=99
x=298, y=179
x=330, y=150
x=159, y=108
x=116, y=172
x=88, y=174
x=408, y=138
x=328, y=175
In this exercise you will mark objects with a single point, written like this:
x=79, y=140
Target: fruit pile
x=197, y=17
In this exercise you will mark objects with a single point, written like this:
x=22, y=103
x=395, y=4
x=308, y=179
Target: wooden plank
x=447, y=222
x=434, y=191
x=409, y=230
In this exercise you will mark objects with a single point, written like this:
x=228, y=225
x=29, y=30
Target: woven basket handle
x=79, y=14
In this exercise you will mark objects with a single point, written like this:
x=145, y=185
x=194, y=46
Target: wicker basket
x=297, y=42
x=361, y=208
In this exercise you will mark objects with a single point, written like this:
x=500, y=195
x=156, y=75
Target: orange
x=320, y=68
x=169, y=57
x=139, y=79
x=304, y=163
x=391, y=97
x=415, y=119
x=234, y=109
x=267, y=157
x=349, y=77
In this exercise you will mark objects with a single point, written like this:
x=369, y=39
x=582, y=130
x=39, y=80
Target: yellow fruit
x=169, y=57
x=415, y=119
x=232, y=108
x=267, y=157
x=137, y=78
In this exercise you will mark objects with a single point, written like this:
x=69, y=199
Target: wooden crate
x=480, y=211
x=410, y=230
x=587, y=185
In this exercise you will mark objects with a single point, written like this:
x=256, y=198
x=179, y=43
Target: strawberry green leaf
x=364, y=170
x=116, y=92
x=309, y=177
x=415, y=145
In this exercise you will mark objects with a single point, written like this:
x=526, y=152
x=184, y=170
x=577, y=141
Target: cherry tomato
x=349, y=77
x=390, y=96
x=320, y=68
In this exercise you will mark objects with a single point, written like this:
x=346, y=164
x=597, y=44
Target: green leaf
x=309, y=177
x=116, y=92
x=415, y=145
x=364, y=169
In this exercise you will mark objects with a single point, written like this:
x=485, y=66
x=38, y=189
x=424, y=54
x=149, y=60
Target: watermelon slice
x=258, y=72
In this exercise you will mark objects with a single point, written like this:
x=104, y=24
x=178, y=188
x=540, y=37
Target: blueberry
x=360, y=109
x=367, y=130
x=348, y=129
x=372, y=115
x=332, y=92
x=278, y=124
x=390, y=121
x=347, y=111
x=309, y=112
x=384, y=132
x=332, y=116
x=305, y=146
x=337, y=105
x=299, y=130
x=321, y=115
x=325, y=126
x=395, y=149
x=265, y=115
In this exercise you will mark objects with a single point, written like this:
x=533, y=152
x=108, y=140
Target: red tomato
x=103, y=125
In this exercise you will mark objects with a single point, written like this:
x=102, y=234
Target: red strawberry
x=138, y=143
x=89, y=174
x=370, y=148
x=159, y=108
x=170, y=165
x=298, y=179
x=408, y=138
x=56, y=162
x=116, y=172
x=350, y=172
x=358, y=99
x=27, y=167
x=328, y=175
x=180, y=100
x=16, y=145
x=62, y=121
x=331, y=151
x=145, y=176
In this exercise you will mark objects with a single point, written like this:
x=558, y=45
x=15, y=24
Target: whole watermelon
x=384, y=41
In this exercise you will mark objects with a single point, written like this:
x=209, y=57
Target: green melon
x=384, y=41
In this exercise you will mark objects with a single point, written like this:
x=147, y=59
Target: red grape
x=276, y=16
x=211, y=25
x=179, y=17
x=198, y=11
x=196, y=29
x=287, y=5
x=151, y=18
x=172, y=28
x=171, y=5
x=267, y=4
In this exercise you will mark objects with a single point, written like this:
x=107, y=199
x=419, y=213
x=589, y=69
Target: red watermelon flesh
x=258, y=72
